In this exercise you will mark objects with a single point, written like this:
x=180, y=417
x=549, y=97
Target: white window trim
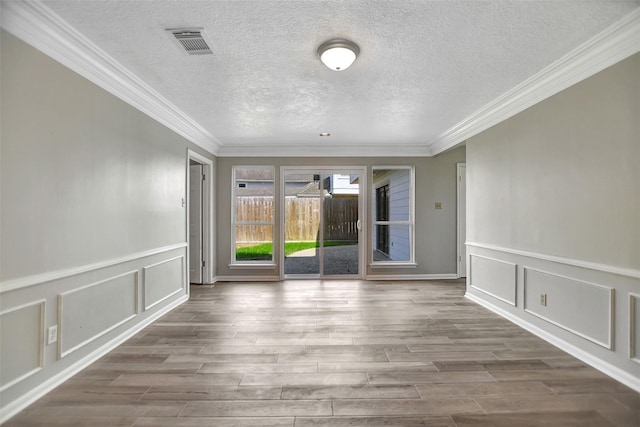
x=410, y=263
x=251, y=264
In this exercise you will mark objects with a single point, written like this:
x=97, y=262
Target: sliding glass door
x=321, y=231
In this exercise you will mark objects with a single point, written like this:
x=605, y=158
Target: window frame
x=410, y=222
x=235, y=263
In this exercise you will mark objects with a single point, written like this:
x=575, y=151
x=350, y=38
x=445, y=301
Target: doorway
x=321, y=231
x=199, y=218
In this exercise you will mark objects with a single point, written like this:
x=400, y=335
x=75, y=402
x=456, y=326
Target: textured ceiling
x=424, y=65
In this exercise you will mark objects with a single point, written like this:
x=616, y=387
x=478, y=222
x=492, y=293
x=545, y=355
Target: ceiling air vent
x=191, y=40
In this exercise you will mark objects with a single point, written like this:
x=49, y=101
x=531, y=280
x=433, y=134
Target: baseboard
x=247, y=279
x=411, y=276
x=368, y=277
x=605, y=367
x=13, y=408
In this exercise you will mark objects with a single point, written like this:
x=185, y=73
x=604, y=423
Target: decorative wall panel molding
x=624, y=376
x=634, y=327
x=163, y=280
x=582, y=308
x=21, y=328
x=87, y=313
x=494, y=277
x=11, y=408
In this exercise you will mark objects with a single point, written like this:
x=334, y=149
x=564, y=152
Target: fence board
x=302, y=218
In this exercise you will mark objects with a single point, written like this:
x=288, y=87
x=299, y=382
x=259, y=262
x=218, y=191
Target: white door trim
x=461, y=215
x=194, y=196
x=362, y=213
x=208, y=229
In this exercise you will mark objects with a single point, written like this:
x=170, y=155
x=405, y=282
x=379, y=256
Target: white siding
x=399, y=209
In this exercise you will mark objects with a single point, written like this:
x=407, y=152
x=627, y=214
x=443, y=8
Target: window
x=253, y=215
x=393, y=212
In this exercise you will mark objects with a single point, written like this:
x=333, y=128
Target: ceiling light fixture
x=338, y=54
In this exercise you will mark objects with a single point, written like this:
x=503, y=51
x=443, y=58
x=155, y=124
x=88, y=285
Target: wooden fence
x=302, y=216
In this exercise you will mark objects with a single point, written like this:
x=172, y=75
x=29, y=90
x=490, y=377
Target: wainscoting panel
x=112, y=301
x=585, y=309
x=162, y=280
x=592, y=310
x=96, y=307
x=21, y=328
x=494, y=277
x=634, y=327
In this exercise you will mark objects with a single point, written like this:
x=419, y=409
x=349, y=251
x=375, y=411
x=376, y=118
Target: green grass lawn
x=264, y=251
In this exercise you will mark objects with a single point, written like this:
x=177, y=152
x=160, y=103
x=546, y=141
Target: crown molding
x=324, y=150
x=611, y=46
x=39, y=26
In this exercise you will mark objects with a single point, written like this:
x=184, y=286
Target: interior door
x=195, y=223
x=322, y=225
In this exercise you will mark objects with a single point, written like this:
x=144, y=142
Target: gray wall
x=92, y=227
x=553, y=207
x=435, y=229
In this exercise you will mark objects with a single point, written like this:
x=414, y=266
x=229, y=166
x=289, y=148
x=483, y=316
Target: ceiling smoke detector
x=191, y=40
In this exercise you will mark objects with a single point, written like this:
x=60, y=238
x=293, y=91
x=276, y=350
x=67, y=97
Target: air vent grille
x=191, y=41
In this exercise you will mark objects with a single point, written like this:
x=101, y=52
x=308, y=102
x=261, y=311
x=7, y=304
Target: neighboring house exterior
x=392, y=205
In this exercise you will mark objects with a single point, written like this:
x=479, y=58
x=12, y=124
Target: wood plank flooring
x=335, y=353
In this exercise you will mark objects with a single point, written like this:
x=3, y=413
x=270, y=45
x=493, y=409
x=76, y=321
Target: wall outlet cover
x=543, y=299
x=52, y=335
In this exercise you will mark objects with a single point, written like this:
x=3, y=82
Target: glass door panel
x=340, y=224
x=302, y=224
x=321, y=223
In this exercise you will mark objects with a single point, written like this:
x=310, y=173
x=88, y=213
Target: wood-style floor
x=335, y=353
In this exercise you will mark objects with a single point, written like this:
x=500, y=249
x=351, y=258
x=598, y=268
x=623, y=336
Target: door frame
x=194, y=211
x=461, y=217
x=362, y=216
x=208, y=229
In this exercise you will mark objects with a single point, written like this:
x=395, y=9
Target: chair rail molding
x=605, y=268
x=36, y=279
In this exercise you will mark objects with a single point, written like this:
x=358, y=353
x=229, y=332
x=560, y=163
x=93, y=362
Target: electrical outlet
x=543, y=299
x=52, y=334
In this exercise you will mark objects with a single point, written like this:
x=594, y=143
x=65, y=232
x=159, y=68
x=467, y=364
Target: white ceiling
x=424, y=67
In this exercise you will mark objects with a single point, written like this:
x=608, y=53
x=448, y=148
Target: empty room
x=319, y=213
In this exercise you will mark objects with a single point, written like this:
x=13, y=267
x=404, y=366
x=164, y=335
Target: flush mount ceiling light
x=338, y=54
